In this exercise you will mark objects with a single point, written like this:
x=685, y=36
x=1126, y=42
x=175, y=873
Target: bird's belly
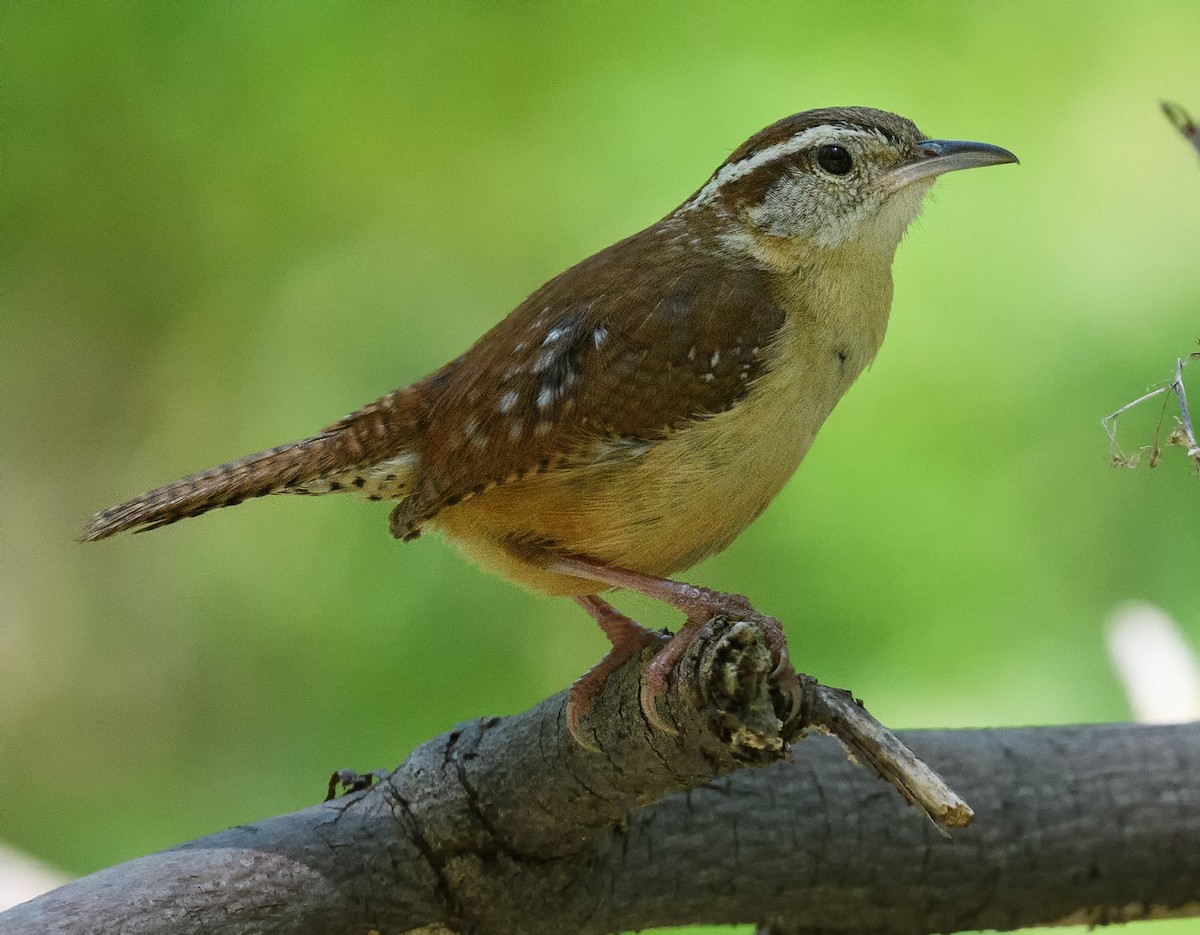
x=660, y=511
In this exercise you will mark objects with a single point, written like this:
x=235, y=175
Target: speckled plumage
x=641, y=408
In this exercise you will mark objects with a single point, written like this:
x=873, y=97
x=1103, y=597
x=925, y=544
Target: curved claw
x=785, y=677
x=653, y=687
x=628, y=639
x=658, y=671
x=576, y=709
x=698, y=604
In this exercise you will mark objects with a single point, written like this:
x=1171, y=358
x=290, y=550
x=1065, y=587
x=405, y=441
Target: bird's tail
x=368, y=452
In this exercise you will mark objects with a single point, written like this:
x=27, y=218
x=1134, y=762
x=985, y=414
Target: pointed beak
x=935, y=157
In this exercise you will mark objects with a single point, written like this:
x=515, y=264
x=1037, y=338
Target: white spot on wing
x=507, y=401
x=618, y=449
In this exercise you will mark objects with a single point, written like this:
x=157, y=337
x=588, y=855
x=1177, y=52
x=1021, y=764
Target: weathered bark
x=505, y=825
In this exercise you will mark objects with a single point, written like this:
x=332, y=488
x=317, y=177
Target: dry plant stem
x=1183, y=123
x=1185, y=417
x=1186, y=432
x=868, y=741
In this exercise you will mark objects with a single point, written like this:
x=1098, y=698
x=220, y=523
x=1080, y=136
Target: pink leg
x=628, y=638
x=698, y=604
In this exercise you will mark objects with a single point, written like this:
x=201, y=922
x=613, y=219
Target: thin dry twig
x=822, y=708
x=1182, y=122
x=839, y=713
x=1183, y=434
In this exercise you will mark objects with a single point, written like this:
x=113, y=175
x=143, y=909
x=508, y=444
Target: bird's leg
x=628, y=638
x=698, y=605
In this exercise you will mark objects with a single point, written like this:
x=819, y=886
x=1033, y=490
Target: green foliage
x=225, y=225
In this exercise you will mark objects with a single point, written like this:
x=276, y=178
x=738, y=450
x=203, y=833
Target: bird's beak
x=935, y=157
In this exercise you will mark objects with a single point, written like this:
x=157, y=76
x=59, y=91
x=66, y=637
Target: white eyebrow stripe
x=743, y=167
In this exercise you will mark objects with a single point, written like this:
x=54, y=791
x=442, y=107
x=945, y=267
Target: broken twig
x=1182, y=122
x=1183, y=434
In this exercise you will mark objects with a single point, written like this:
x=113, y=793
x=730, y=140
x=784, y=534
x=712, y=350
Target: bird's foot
x=656, y=677
x=699, y=605
x=628, y=639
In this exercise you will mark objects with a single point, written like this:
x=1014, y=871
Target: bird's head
x=825, y=179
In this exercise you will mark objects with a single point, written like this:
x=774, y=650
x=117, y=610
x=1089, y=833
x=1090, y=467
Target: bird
x=638, y=411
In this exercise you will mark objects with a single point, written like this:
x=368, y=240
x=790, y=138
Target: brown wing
x=613, y=353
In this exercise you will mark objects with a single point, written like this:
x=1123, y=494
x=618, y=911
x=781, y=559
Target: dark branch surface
x=505, y=825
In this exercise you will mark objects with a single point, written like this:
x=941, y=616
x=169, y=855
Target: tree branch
x=506, y=825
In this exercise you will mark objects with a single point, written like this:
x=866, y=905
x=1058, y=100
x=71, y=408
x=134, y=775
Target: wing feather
x=612, y=355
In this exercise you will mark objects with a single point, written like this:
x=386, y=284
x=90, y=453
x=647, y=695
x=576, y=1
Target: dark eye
x=834, y=159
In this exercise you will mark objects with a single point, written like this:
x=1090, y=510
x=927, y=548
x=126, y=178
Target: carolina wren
x=639, y=410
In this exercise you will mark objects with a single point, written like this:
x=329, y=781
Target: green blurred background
x=225, y=225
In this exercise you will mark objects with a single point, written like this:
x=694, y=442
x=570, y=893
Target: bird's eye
x=834, y=159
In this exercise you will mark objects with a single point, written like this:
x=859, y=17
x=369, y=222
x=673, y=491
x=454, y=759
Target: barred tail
x=368, y=452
